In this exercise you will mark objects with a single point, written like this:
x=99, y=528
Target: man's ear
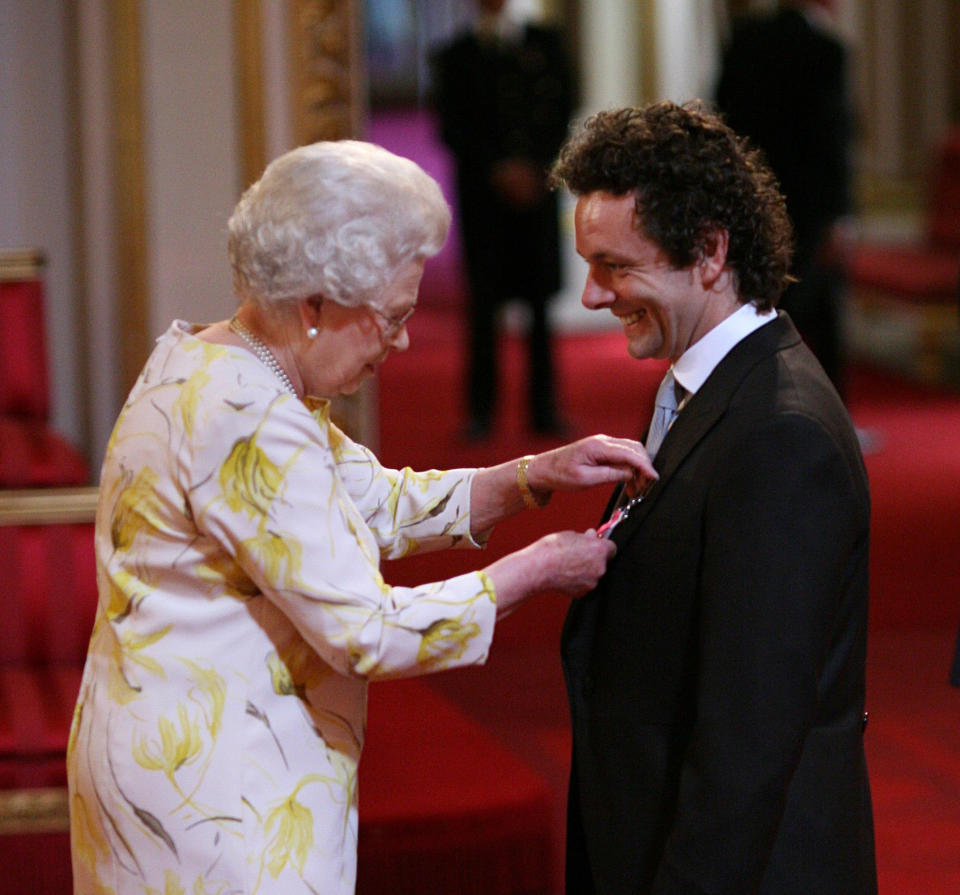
x=713, y=256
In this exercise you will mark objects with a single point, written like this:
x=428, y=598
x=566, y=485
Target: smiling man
x=716, y=674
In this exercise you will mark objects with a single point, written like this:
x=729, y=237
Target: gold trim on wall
x=34, y=811
x=248, y=64
x=130, y=196
x=327, y=71
x=48, y=506
x=328, y=83
x=21, y=264
x=649, y=64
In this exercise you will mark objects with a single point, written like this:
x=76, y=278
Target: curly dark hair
x=691, y=175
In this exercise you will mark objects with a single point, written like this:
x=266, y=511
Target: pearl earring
x=312, y=332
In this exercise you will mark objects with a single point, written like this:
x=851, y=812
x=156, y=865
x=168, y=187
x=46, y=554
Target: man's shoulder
x=542, y=31
x=777, y=334
x=773, y=367
x=789, y=381
x=774, y=349
x=784, y=28
x=756, y=28
x=796, y=27
x=463, y=42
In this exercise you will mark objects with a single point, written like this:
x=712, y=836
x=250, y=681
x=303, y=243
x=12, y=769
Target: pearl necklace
x=264, y=353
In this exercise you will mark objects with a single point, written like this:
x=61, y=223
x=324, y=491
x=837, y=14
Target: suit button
x=588, y=685
x=863, y=721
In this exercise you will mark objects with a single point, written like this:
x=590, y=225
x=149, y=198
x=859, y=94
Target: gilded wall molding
x=248, y=65
x=21, y=264
x=48, y=506
x=130, y=195
x=328, y=81
x=34, y=811
x=327, y=69
x=649, y=88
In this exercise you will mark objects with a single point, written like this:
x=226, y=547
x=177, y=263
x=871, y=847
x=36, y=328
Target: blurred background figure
x=955, y=670
x=783, y=84
x=503, y=95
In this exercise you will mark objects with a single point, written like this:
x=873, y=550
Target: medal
x=619, y=514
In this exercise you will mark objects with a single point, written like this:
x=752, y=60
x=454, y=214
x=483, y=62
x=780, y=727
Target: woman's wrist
x=517, y=576
x=532, y=497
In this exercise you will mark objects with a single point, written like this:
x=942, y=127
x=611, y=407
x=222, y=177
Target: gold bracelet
x=530, y=500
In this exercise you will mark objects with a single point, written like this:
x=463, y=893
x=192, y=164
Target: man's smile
x=633, y=317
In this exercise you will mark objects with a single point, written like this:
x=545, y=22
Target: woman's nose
x=401, y=341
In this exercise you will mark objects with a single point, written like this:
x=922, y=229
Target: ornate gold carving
x=329, y=101
x=327, y=69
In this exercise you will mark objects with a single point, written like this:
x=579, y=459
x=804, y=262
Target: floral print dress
x=221, y=716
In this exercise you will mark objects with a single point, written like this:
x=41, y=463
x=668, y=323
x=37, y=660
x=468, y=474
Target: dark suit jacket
x=716, y=675
x=495, y=103
x=783, y=84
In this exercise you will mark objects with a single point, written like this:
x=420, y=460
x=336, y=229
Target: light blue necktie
x=664, y=413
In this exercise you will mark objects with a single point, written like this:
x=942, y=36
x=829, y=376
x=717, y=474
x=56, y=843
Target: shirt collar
x=696, y=363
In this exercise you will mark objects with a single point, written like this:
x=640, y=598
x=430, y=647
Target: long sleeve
x=406, y=511
x=277, y=503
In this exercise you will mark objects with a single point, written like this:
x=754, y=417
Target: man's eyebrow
x=605, y=255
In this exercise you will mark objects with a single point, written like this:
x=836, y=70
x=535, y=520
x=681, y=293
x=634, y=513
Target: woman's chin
x=351, y=386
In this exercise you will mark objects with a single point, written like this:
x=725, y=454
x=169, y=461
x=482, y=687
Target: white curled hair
x=338, y=219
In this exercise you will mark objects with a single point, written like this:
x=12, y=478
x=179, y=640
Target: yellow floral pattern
x=135, y=510
x=177, y=747
x=216, y=740
x=250, y=482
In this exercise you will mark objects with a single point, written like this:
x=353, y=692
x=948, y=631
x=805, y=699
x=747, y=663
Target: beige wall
x=191, y=162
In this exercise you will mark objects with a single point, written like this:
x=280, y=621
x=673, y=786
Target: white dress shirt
x=696, y=363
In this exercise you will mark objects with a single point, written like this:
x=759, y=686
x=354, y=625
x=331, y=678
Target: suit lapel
x=705, y=409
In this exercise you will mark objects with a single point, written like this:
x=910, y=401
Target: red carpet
x=436, y=825
x=913, y=738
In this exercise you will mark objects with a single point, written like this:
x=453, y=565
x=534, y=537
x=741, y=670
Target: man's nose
x=595, y=295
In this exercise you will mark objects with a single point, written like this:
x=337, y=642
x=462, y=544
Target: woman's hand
x=597, y=460
x=572, y=561
x=591, y=461
x=568, y=561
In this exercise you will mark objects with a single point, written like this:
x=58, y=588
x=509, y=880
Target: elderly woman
x=239, y=537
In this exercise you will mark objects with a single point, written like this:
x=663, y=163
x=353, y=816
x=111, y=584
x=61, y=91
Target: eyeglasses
x=392, y=325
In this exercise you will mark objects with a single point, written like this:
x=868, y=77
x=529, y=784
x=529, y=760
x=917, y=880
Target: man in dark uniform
x=783, y=84
x=503, y=96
